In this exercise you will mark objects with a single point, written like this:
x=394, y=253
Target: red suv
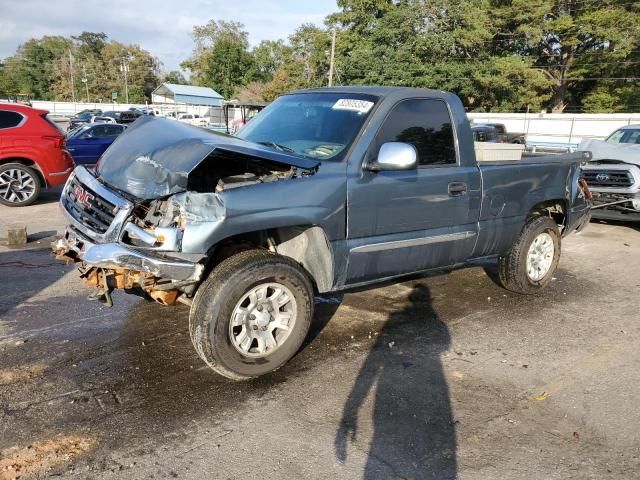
x=32, y=154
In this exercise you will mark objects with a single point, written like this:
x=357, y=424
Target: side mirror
x=395, y=156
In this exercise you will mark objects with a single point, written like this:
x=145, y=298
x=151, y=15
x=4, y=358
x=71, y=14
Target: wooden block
x=16, y=234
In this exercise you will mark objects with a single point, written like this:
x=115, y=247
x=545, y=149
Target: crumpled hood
x=154, y=156
x=623, y=152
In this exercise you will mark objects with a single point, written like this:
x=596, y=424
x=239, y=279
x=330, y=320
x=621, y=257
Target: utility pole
x=73, y=88
x=85, y=81
x=124, y=68
x=333, y=55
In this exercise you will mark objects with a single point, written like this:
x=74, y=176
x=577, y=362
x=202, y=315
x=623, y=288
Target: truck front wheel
x=252, y=314
x=533, y=259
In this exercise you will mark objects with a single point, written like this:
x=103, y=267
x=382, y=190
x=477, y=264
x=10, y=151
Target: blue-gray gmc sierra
x=324, y=190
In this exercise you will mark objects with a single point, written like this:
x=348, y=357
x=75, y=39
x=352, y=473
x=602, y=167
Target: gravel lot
x=442, y=377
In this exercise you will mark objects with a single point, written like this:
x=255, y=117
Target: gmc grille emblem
x=82, y=196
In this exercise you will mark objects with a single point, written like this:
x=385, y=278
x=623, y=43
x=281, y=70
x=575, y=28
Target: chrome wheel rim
x=540, y=257
x=16, y=185
x=262, y=320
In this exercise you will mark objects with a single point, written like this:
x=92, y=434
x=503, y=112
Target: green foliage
x=497, y=55
x=44, y=68
x=176, y=77
x=221, y=59
x=269, y=56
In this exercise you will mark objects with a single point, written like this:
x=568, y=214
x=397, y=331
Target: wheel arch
x=27, y=162
x=555, y=209
x=308, y=245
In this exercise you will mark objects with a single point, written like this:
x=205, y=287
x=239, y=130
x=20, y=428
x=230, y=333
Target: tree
x=48, y=67
x=35, y=63
x=175, y=77
x=251, y=92
x=572, y=40
x=269, y=56
x=221, y=58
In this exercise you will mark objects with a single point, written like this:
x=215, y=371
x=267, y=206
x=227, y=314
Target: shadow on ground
x=413, y=430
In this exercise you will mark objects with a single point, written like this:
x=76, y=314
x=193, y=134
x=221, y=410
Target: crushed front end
x=114, y=247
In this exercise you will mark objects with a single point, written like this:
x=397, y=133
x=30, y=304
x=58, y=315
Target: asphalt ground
x=437, y=377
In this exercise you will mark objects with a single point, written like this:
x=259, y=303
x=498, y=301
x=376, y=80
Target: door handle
x=457, y=188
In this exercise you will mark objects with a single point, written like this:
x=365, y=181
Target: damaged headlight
x=174, y=223
x=158, y=225
x=159, y=238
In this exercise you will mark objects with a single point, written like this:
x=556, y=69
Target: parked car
x=124, y=117
x=174, y=115
x=193, y=119
x=505, y=136
x=246, y=229
x=32, y=154
x=150, y=111
x=93, y=111
x=613, y=175
x=80, y=119
x=99, y=119
x=485, y=133
x=93, y=119
x=87, y=143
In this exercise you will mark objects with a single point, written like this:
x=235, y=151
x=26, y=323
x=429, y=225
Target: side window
x=426, y=124
x=100, y=131
x=633, y=137
x=113, y=130
x=9, y=119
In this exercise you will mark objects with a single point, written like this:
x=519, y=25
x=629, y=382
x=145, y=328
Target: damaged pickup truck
x=324, y=190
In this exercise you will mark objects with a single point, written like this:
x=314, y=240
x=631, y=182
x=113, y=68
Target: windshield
x=76, y=132
x=314, y=125
x=626, y=135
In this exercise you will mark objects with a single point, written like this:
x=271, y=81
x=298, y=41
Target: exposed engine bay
x=220, y=172
x=224, y=170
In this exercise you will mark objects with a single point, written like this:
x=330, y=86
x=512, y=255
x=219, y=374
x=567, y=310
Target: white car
x=193, y=119
x=99, y=119
x=613, y=174
x=174, y=115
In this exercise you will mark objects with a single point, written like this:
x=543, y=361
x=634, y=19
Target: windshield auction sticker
x=360, y=106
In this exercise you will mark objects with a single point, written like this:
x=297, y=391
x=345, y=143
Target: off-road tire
x=512, y=268
x=37, y=184
x=215, y=300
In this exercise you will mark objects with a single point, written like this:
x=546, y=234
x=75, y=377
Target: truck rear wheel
x=252, y=314
x=533, y=259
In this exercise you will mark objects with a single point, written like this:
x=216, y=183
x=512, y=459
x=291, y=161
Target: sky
x=163, y=27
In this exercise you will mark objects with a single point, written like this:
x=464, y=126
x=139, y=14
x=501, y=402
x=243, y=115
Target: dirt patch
x=21, y=373
x=35, y=459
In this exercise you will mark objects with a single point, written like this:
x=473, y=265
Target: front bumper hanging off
x=115, y=256
x=108, y=266
x=105, y=263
